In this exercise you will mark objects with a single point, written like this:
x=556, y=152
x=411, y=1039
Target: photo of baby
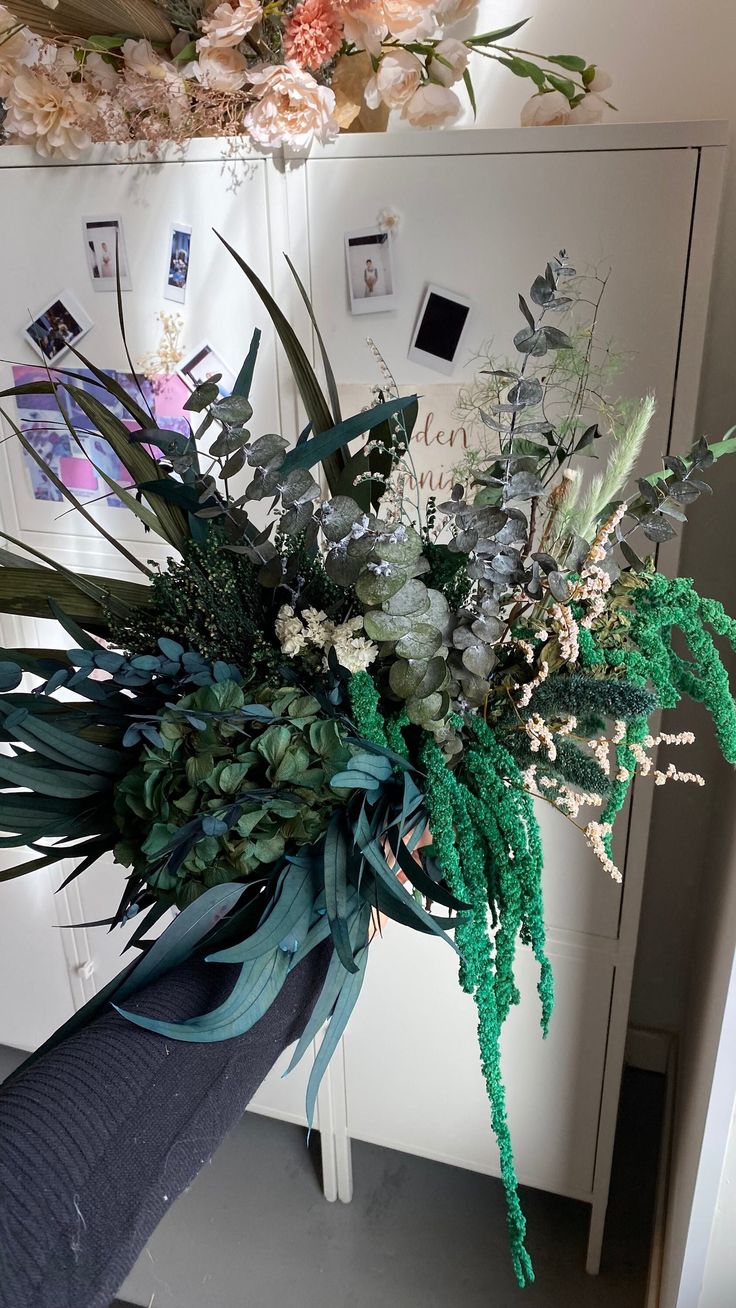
x=106, y=253
x=370, y=271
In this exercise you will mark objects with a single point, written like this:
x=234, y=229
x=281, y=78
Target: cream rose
x=19, y=50
x=410, y=20
x=54, y=115
x=221, y=69
x=141, y=58
x=292, y=108
x=228, y=24
x=601, y=82
x=550, y=109
x=395, y=81
x=431, y=106
x=367, y=22
x=102, y=75
x=449, y=61
x=590, y=110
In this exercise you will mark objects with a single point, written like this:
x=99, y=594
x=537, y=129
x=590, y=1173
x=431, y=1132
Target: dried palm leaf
x=83, y=18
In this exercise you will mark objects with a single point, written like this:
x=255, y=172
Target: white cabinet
x=481, y=213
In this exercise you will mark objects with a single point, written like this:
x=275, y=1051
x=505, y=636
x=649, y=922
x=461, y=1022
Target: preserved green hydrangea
x=233, y=786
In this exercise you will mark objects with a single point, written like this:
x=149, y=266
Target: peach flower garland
x=265, y=69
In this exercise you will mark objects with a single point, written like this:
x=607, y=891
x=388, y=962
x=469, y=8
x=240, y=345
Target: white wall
x=719, y=1281
x=669, y=59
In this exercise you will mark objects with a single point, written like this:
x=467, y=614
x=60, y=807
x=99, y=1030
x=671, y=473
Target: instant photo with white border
x=59, y=323
x=203, y=363
x=440, y=326
x=178, y=255
x=103, y=237
x=370, y=271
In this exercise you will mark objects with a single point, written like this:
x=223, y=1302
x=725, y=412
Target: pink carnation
x=313, y=33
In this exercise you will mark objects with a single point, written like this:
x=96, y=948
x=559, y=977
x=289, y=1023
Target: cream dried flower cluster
x=296, y=634
x=282, y=73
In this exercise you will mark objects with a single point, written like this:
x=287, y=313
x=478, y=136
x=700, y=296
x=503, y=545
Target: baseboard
x=648, y=1049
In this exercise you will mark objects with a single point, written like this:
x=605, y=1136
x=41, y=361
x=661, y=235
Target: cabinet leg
x=344, y=1164
x=595, y=1236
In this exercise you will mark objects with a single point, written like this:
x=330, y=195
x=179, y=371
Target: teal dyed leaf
x=320, y=447
x=346, y=1002
x=388, y=879
x=252, y=995
x=336, y=855
x=297, y=890
x=330, y=992
x=52, y=781
x=244, y=379
x=60, y=746
x=176, y=944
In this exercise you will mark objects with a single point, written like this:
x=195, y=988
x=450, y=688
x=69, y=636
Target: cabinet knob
x=86, y=969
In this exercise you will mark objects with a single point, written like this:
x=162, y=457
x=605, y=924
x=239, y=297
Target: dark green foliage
x=572, y=765
x=608, y=697
x=212, y=601
x=447, y=573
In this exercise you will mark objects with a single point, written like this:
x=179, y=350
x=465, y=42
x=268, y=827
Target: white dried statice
x=289, y=631
x=354, y=653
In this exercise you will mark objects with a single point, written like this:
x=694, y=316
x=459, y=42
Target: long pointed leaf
x=318, y=448
x=329, y=374
x=349, y=992
x=244, y=379
x=297, y=889
x=305, y=377
x=336, y=856
x=188, y=929
x=69, y=495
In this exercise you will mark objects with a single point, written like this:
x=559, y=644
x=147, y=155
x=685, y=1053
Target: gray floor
x=255, y=1232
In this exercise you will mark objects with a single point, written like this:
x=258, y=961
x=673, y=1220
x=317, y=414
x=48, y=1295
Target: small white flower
x=389, y=221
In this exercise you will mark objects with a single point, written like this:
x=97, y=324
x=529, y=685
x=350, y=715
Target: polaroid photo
x=439, y=329
x=60, y=323
x=204, y=363
x=103, y=239
x=371, y=284
x=177, y=268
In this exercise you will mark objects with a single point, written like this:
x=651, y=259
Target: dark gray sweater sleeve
x=100, y=1136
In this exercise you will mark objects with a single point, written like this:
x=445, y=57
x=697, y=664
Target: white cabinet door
x=413, y=1072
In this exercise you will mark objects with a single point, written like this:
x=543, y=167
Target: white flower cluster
x=540, y=735
x=565, y=628
x=353, y=652
x=595, y=833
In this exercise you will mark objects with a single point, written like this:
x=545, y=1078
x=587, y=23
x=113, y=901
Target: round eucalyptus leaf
x=341, y=568
x=266, y=448
x=403, y=545
x=435, y=678
x=383, y=626
x=420, y=643
x=338, y=517
x=488, y=629
x=233, y=411
x=405, y=676
x=478, y=659
x=438, y=615
x=412, y=599
x=373, y=588
x=558, y=587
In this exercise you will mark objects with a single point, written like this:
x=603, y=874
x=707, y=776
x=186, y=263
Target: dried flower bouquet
x=354, y=711
x=279, y=72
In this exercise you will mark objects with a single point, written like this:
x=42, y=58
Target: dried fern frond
x=84, y=18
